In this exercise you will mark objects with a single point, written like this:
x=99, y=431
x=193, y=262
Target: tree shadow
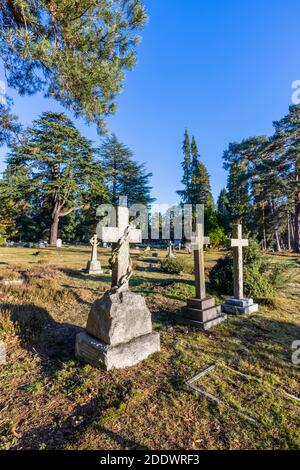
x=39, y=333
x=67, y=433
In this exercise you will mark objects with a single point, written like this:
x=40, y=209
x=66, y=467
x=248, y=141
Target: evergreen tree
x=124, y=176
x=76, y=52
x=9, y=125
x=223, y=210
x=54, y=171
x=186, y=166
x=200, y=190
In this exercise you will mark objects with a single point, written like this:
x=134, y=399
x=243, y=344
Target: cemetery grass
x=49, y=400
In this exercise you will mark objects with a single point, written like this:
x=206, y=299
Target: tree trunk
x=289, y=238
x=297, y=209
x=54, y=224
x=297, y=224
x=264, y=228
x=277, y=237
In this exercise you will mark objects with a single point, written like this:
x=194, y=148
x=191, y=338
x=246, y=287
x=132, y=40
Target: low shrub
x=172, y=266
x=261, y=277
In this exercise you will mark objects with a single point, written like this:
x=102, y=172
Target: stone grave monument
x=238, y=305
x=94, y=266
x=201, y=311
x=170, y=253
x=119, y=328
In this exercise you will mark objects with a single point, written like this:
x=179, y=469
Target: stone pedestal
x=239, y=306
x=94, y=267
x=202, y=314
x=118, y=333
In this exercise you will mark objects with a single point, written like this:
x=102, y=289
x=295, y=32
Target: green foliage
x=52, y=173
x=261, y=277
x=124, y=176
x=172, y=265
x=195, y=178
x=9, y=125
x=213, y=229
x=76, y=52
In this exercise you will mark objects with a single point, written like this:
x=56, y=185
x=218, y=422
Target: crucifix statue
x=119, y=328
x=238, y=305
x=121, y=236
x=198, y=241
x=237, y=244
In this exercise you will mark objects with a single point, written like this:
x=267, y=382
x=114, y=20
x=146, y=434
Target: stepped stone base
x=239, y=306
x=104, y=356
x=94, y=267
x=202, y=314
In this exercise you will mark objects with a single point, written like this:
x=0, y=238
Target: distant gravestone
x=201, y=311
x=119, y=328
x=58, y=243
x=170, y=253
x=94, y=266
x=238, y=305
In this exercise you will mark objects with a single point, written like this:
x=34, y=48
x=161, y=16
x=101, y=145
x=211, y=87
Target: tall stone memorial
x=238, y=305
x=119, y=328
x=201, y=311
x=94, y=266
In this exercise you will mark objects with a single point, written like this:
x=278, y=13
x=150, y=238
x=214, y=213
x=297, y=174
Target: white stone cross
x=198, y=241
x=113, y=235
x=94, y=242
x=237, y=244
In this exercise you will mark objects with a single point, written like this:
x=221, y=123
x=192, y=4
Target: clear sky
x=221, y=68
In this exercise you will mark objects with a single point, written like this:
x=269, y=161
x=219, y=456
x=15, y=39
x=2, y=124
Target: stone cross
x=237, y=243
x=170, y=250
x=113, y=235
x=95, y=244
x=198, y=241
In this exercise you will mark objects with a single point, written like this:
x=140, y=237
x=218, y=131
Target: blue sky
x=221, y=68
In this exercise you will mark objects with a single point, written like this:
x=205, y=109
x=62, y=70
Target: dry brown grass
x=50, y=400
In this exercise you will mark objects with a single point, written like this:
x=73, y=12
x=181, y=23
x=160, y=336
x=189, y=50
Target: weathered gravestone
x=94, y=266
x=201, y=311
x=119, y=328
x=58, y=243
x=170, y=253
x=238, y=305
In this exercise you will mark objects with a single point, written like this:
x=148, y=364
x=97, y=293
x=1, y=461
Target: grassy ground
x=50, y=400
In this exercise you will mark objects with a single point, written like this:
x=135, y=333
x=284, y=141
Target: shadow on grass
x=67, y=434
x=39, y=333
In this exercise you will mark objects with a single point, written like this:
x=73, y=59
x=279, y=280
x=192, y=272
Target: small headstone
x=94, y=266
x=148, y=248
x=58, y=243
x=238, y=305
x=119, y=328
x=201, y=311
x=170, y=253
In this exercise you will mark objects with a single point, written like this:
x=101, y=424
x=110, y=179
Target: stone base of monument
x=94, y=267
x=203, y=314
x=239, y=306
x=118, y=333
x=103, y=356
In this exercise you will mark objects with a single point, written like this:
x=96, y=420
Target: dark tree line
x=55, y=179
x=263, y=189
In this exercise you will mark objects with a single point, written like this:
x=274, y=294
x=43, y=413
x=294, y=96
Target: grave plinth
x=201, y=312
x=238, y=305
x=119, y=328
